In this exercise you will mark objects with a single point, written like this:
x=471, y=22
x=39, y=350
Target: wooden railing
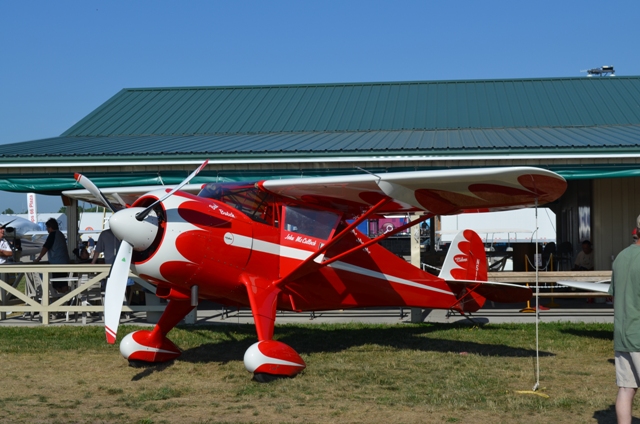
x=67, y=303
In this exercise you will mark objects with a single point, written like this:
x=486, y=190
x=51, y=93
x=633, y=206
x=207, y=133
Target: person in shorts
x=625, y=289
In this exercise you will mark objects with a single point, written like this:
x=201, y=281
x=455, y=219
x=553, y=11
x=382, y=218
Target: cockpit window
x=310, y=222
x=245, y=197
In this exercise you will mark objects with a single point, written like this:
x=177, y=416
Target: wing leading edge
x=445, y=192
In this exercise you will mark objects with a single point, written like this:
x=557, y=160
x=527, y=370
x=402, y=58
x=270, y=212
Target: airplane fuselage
x=291, y=245
x=217, y=247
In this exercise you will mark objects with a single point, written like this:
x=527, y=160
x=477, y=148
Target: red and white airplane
x=292, y=244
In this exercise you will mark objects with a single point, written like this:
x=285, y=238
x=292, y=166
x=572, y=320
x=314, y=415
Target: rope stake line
x=537, y=385
x=532, y=392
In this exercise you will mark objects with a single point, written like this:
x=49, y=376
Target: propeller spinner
x=126, y=227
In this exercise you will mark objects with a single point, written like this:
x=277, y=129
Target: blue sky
x=62, y=59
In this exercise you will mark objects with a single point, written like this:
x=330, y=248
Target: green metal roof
x=362, y=107
x=611, y=139
x=547, y=116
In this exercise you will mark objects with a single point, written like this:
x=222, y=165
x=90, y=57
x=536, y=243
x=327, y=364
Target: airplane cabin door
x=304, y=232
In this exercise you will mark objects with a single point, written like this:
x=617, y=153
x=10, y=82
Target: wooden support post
x=3, y=296
x=416, y=313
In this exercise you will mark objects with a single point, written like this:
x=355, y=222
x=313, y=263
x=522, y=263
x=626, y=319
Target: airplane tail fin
x=466, y=259
x=465, y=271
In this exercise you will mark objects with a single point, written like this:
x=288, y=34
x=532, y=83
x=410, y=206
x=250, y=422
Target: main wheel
x=262, y=377
x=142, y=346
x=272, y=358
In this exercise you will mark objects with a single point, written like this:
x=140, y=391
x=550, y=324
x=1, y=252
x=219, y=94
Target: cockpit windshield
x=245, y=197
x=310, y=222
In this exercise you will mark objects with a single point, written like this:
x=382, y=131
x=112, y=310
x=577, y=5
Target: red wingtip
x=77, y=176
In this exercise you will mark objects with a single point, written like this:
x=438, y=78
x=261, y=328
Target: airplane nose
x=140, y=234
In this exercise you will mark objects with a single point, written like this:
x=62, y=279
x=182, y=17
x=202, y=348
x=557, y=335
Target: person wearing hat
x=6, y=254
x=625, y=289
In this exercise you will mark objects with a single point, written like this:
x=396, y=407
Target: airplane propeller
x=115, y=291
x=5, y=225
x=141, y=215
x=93, y=189
x=137, y=230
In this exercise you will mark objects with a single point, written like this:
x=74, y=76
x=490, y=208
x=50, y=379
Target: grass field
x=427, y=373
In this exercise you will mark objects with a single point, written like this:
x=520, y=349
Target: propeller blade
x=5, y=225
x=93, y=189
x=142, y=215
x=115, y=291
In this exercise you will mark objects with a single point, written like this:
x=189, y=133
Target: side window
x=312, y=223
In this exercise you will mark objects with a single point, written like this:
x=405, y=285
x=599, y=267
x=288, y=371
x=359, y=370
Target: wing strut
x=378, y=239
x=297, y=271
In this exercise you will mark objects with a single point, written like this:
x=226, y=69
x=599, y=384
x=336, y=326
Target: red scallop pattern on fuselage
x=210, y=258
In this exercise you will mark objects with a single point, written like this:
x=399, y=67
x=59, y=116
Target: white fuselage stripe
x=299, y=254
x=369, y=273
x=270, y=248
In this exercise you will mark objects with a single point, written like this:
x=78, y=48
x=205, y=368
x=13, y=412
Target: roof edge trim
x=328, y=159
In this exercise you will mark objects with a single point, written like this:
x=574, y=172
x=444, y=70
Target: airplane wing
x=123, y=195
x=445, y=192
x=601, y=286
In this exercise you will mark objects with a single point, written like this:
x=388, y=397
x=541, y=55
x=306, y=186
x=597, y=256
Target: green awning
x=597, y=173
x=56, y=183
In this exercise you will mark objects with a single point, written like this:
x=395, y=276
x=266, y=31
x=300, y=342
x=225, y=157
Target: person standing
x=625, y=289
x=6, y=253
x=55, y=247
x=107, y=244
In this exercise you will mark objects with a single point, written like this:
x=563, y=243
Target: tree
x=8, y=211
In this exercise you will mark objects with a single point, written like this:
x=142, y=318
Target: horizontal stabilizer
x=495, y=292
x=601, y=286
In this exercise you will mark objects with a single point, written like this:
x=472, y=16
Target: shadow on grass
x=148, y=369
x=608, y=416
x=307, y=340
x=592, y=334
